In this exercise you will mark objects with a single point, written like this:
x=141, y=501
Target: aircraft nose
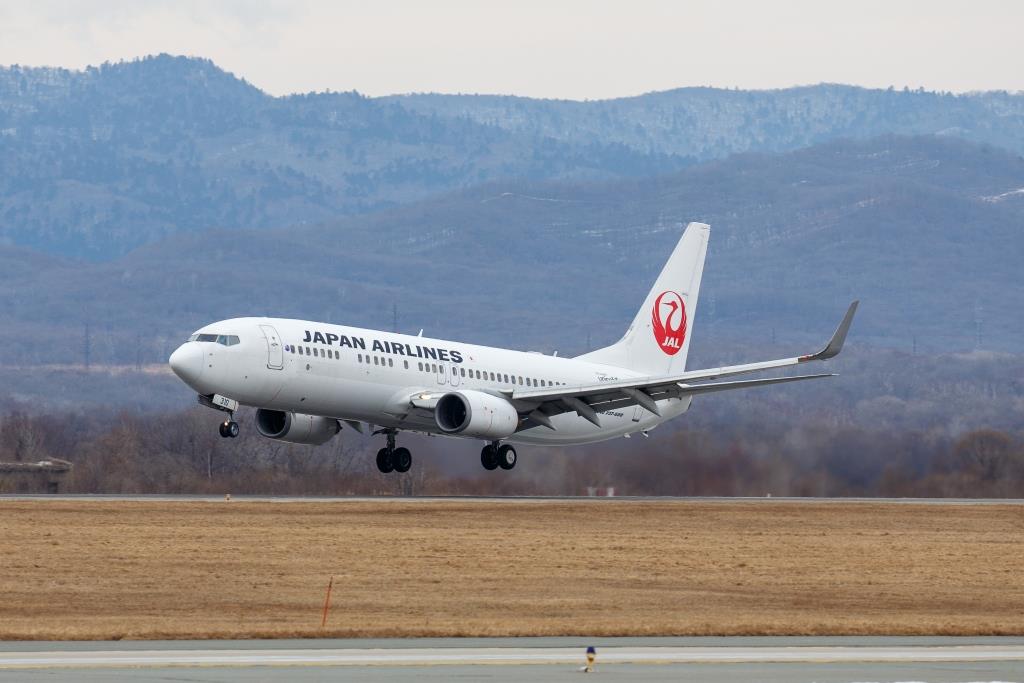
x=187, y=363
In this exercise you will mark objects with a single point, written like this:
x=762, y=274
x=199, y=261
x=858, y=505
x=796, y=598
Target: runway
x=506, y=659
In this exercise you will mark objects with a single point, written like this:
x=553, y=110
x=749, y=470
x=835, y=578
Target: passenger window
x=359, y=357
x=316, y=352
x=307, y=352
x=433, y=367
x=420, y=364
x=391, y=362
x=542, y=383
x=300, y=350
x=406, y=364
x=375, y=361
x=462, y=371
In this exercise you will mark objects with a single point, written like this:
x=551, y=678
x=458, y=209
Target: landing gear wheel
x=489, y=457
x=402, y=459
x=506, y=457
x=385, y=461
x=229, y=429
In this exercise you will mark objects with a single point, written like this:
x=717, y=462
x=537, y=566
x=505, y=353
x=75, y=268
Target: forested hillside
x=710, y=123
x=927, y=232
x=94, y=163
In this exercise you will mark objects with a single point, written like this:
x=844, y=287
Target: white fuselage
x=369, y=376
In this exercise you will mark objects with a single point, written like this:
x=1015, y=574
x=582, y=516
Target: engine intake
x=475, y=413
x=296, y=427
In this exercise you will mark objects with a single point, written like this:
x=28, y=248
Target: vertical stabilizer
x=659, y=339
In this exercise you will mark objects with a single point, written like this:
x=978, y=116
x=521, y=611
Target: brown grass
x=97, y=570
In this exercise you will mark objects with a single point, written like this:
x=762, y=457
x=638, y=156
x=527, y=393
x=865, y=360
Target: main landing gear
x=391, y=459
x=494, y=456
x=229, y=429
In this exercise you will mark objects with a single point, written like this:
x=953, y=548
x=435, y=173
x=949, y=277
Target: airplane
x=307, y=379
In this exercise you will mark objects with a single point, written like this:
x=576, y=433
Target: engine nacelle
x=475, y=413
x=296, y=427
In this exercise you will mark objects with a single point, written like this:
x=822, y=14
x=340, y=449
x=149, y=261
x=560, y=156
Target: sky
x=574, y=49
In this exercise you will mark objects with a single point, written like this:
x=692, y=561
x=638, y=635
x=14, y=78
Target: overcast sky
x=576, y=49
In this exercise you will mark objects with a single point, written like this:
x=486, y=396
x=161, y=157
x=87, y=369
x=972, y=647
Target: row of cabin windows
x=428, y=367
x=377, y=360
x=472, y=373
x=315, y=352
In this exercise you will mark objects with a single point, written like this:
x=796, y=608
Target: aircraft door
x=275, y=351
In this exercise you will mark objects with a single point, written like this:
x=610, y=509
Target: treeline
x=180, y=452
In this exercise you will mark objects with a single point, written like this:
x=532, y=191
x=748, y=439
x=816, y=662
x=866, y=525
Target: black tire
x=489, y=457
x=385, y=461
x=506, y=457
x=233, y=429
x=223, y=429
x=402, y=459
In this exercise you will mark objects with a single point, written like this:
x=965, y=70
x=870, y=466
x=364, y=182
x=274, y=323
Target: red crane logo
x=668, y=320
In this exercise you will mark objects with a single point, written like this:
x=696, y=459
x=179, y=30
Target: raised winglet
x=835, y=345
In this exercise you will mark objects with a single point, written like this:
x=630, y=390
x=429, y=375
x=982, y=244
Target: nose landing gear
x=229, y=429
x=391, y=459
x=494, y=456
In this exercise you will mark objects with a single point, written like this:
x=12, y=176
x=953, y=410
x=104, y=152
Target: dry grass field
x=170, y=569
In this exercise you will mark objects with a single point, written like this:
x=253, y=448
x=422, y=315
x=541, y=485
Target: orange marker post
x=327, y=602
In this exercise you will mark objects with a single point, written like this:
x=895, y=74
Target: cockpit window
x=222, y=339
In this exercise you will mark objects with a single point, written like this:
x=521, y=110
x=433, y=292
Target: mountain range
x=95, y=163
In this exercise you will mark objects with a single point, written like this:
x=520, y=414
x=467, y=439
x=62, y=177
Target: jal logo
x=669, y=322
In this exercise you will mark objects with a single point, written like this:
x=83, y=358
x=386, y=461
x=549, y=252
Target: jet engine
x=475, y=413
x=296, y=427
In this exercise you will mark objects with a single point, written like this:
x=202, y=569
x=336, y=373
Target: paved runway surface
x=830, y=660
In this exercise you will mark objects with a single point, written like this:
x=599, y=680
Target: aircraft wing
x=539, y=405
